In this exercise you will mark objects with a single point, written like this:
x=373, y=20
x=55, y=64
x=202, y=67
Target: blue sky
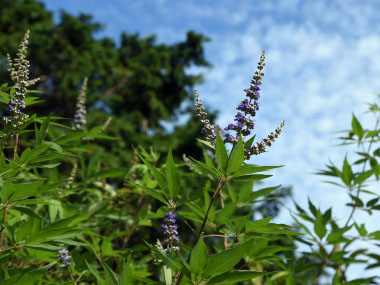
x=323, y=63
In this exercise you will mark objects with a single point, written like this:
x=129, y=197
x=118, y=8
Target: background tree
x=138, y=82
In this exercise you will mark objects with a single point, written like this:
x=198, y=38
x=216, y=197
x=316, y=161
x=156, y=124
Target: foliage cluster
x=81, y=205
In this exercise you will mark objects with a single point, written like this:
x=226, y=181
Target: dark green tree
x=138, y=82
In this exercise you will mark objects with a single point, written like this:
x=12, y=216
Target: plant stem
x=15, y=147
x=218, y=189
x=225, y=243
x=5, y=208
x=2, y=147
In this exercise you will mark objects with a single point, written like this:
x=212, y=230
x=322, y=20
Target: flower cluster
x=243, y=122
x=248, y=107
x=208, y=130
x=171, y=232
x=19, y=72
x=80, y=118
x=73, y=173
x=260, y=147
x=64, y=257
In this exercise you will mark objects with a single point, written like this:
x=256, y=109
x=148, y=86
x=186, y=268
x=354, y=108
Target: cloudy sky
x=323, y=63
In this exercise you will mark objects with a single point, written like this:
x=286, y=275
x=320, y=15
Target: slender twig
x=189, y=226
x=225, y=242
x=5, y=208
x=135, y=221
x=354, y=207
x=9, y=170
x=11, y=248
x=2, y=147
x=218, y=189
x=223, y=236
x=15, y=147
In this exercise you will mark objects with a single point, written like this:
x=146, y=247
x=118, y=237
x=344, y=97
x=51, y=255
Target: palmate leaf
x=235, y=276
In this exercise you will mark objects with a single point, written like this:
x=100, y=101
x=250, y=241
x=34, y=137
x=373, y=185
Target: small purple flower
x=64, y=258
x=229, y=138
x=171, y=232
x=230, y=127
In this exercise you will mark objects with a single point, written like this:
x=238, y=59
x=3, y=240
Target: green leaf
x=207, y=144
x=363, y=176
x=249, y=142
x=95, y=272
x=11, y=280
x=68, y=137
x=236, y=158
x=319, y=226
x=206, y=169
x=252, y=177
x=25, y=190
x=111, y=278
x=168, y=275
x=172, y=177
x=45, y=247
x=43, y=130
x=357, y=127
x=34, y=275
x=126, y=277
x=198, y=260
x=235, y=276
x=165, y=258
x=221, y=153
x=67, y=222
x=52, y=234
x=336, y=235
x=152, y=192
x=271, y=250
x=160, y=177
x=28, y=211
x=347, y=172
x=249, y=169
x=225, y=260
x=263, y=192
x=54, y=146
x=24, y=156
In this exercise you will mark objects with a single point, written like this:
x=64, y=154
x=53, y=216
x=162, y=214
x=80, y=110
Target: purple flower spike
x=171, y=233
x=64, y=258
